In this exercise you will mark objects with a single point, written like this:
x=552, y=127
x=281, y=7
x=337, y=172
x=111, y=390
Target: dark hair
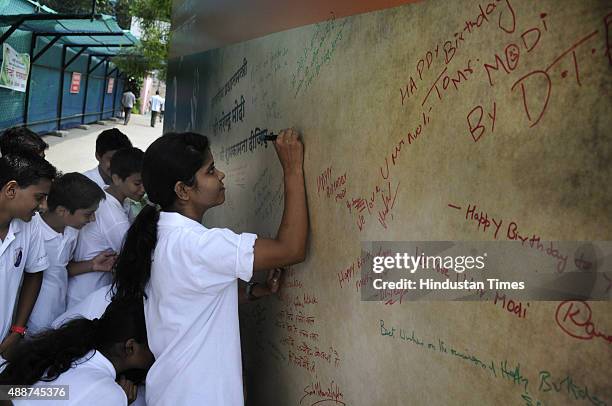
x=126, y=161
x=74, y=191
x=26, y=168
x=18, y=139
x=171, y=158
x=111, y=140
x=47, y=355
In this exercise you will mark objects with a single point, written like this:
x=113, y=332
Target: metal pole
x=61, y=89
x=45, y=49
x=104, y=89
x=99, y=63
x=81, y=34
x=21, y=18
x=115, y=69
x=74, y=58
x=86, y=88
x=26, y=103
x=11, y=30
x=120, y=46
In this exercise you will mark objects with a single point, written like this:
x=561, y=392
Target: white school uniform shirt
x=51, y=300
x=192, y=313
x=107, y=232
x=94, y=174
x=22, y=250
x=91, y=382
x=128, y=204
x=92, y=307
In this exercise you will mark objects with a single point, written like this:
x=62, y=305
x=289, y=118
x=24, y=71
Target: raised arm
x=289, y=246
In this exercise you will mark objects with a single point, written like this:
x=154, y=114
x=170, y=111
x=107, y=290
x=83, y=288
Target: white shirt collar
x=95, y=172
x=14, y=227
x=112, y=199
x=47, y=232
x=168, y=218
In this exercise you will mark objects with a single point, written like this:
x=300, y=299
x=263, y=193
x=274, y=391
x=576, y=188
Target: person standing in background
x=127, y=101
x=157, y=103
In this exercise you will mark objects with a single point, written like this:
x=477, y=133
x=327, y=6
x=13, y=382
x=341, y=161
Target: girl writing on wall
x=188, y=273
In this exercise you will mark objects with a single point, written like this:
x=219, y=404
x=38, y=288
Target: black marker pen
x=269, y=137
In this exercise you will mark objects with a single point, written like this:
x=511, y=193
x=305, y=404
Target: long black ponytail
x=47, y=355
x=171, y=158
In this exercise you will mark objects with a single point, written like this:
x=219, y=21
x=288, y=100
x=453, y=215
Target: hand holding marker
x=268, y=136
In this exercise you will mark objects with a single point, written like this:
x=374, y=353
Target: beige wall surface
x=418, y=122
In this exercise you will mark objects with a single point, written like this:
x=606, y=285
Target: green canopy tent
x=80, y=32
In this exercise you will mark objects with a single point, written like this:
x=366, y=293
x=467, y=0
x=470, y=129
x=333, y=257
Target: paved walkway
x=76, y=151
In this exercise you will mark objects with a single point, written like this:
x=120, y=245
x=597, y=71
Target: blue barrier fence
x=92, y=101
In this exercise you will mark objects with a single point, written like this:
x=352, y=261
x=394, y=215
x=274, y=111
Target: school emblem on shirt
x=18, y=256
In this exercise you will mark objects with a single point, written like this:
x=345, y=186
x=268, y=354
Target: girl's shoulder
x=203, y=236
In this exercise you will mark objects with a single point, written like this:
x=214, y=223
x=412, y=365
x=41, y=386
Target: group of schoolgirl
x=97, y=296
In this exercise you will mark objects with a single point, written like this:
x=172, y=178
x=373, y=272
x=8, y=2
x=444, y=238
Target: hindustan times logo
x=413, y=263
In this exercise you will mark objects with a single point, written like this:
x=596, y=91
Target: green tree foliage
x=151, y=11
x=153, y=17
x=122, y=12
